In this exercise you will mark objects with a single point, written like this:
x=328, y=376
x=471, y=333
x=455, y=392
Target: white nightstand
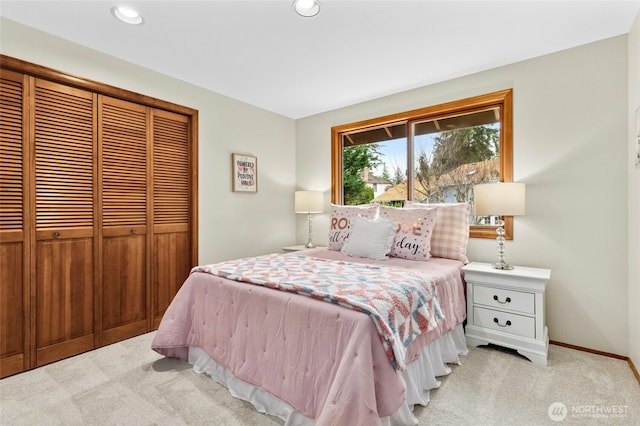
x=506, y=307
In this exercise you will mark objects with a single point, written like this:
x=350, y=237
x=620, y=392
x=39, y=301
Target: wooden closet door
x=65, y=174
x=14, y=238
x=123, y=140
x=172, y=260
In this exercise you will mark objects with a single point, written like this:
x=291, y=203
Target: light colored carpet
x=129, y=384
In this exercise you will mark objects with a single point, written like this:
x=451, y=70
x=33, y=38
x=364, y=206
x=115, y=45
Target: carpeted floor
x=129, y=384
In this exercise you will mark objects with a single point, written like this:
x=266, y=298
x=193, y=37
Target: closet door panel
x=14, y=240
x=124, y=309
x=171, y=208
x=64, y=122
x=125, y=292
x=171, y=266
x=14, y=354
x=65, y=300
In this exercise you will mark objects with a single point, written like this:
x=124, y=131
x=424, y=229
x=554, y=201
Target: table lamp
x=500, y=199
x=309, y=202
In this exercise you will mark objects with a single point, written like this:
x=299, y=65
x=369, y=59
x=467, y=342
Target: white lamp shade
x=309, y=202
x=499, y=199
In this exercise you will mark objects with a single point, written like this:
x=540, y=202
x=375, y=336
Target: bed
x=293, y=355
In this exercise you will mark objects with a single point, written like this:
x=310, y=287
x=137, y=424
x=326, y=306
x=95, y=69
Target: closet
x=98, y=213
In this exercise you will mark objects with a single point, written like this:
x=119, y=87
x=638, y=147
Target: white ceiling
x=262, y=53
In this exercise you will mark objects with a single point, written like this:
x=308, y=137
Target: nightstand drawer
x=504, y=299
x=505, y=322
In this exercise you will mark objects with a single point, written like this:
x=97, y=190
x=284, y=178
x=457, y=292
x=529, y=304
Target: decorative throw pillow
x=451, y=233
x=369, y=238
x=341, y=216
x=413, y=231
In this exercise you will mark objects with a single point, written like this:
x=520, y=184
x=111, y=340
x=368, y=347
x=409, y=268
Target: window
x=432, y=155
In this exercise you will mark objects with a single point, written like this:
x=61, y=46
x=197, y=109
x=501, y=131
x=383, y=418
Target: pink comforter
x=401, y=303
x=324, y=360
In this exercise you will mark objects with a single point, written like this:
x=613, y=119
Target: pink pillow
x=370, y=238
x=339, y=225
x=413, y=232
x=451, y=232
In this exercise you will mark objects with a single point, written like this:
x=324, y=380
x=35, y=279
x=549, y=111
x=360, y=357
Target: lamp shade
x=309, y=202
x=499, y=199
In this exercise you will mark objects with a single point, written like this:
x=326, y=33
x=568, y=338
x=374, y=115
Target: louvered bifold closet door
x=14, y=241
x=65, y=175
x=123, y=141
x=171, y=208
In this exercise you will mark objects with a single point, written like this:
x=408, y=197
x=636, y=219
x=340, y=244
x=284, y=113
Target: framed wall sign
x=245, y=173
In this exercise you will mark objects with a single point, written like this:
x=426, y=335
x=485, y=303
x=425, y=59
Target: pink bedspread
x=324, y=360
x=401, y=303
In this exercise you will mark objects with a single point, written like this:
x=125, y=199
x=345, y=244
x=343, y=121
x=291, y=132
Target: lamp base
x=309, y=243
x=503, y=266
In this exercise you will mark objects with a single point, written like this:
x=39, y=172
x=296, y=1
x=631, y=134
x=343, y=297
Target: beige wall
x=570, y=133
x=634, y=196
x=231, y=224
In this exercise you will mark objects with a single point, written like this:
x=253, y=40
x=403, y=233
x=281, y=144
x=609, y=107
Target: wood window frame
x=501, y=99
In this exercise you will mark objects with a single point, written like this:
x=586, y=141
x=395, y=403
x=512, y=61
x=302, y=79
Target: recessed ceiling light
x=306, y=8
x=127, y=15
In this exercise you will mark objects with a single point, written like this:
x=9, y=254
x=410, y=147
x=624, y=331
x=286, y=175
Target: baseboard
x=593, y=351
x=634, y=370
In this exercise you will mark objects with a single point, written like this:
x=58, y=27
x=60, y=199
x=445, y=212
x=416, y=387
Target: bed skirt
x=420, y=377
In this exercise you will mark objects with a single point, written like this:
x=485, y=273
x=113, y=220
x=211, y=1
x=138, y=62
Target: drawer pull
x=507, y=300
x=508, y=323
x=56, y=234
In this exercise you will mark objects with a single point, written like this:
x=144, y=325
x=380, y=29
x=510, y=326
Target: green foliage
x=354, y=160
x=363, y=196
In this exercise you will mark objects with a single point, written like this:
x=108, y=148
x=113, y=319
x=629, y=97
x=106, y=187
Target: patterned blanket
x=402, y=304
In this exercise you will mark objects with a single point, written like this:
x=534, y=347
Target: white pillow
x=370, y=238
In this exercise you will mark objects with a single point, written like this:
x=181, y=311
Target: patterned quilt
x=402, y=304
